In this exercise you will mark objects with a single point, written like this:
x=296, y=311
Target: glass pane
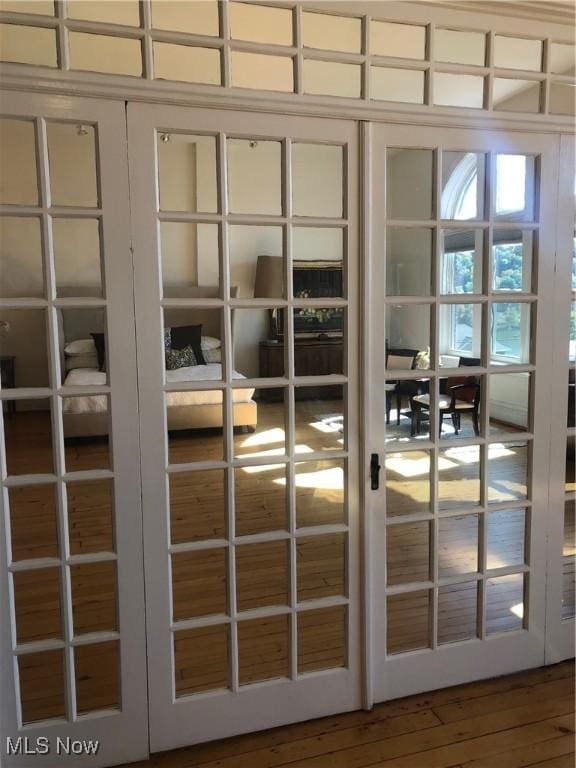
x=97, y=677
x=42, y=685
x=195, y=433
x=461, y=329
x=261, y=502
x=86, y=429
x=332, y=33
x=514, y=188
x=507, y=471
x=409, y=183
x=459, y=47
x=197, y=16
x=37, y=604
x=457, y=612
x=192, y=341
x=77, y=257
x=33, y=522
x=317, y=180
x=407, y=402
x=462, y=185
x=451, y=90
x=457, y=545
x=516, y=95
x=322, y=639
x=28, y=45
x=189, y=257
x=317, y=321
x=21, y=265
x=461, y=261
x=330, y=78
x=407, y=335
x=187, y=174
x=569, y=562
x=90, y=516
x=100, y=53
x=408, y=621
x=517, y=53
x=260, y=24
x=197, y=505
x=572, y=358
x=72, y=156
x=506, y=538
x=186, y=63
x=261, y=575
x=399, y=40
x=562, y=98
x=256, y=266
x=260, y=418
x=408, y=261
x=201, y=659
x=321, y=566
x=199, y=583
x=512, y=253
x=407, y=483
x=94, y=589
x=318, y=262
x=83, y=345
x=118, y=12
x=562, y=58
x=319, y=419
x=509, y=402
x=254, y=176
x=505, y=603
x=263, y=72
x=407, y=553
x=570, y=484
x=390, y=84
x=459, y=477
x=28, y=437
x=263, y=649
x=511, y=333
x=319, y=493
x=23, y=339
x=43, y=7
x=18, y=180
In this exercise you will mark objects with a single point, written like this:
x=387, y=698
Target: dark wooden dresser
x=312, y=357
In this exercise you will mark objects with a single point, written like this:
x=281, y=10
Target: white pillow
x=82, y=361
x=209, y=342
x=80, y=347
x=212, y=355
x=399, y=363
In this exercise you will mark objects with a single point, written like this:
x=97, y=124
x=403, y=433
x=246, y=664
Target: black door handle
x=374, y=472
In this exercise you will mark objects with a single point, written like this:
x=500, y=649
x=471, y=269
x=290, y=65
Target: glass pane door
x=71, y=612
x=246, y=279
x=459, y=280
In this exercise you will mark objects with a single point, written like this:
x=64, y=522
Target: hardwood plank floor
x=520, y=720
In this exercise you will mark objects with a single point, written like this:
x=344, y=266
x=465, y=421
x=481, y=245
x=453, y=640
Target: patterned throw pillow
x=180, y=358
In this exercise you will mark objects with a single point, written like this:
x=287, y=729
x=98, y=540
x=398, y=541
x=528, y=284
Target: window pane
x=462, y=185
x=407, y=483
x=322, y=639
x=408, y=621
x=389, y=84
x=186, y=63
x=263, y=649
x=318, y=262
x=461, y=264
x=260, y=24
x=562, y=58
x=201, y=658
x=72, y=158
x=511, y=336
x=28, y=437
x=407, y=553
x=460, y=330
x=512, y=260
x=18, y=180
x=118, y=12
x=409, y=183
x=458, y=90
x=28, y=45
x=505, y=603
x=197, y=16
x=21, y=264
x=330, y=78
x=408, y=261
x=187, y=173
x=509, y=402
x=77, y=257
x=332, y=33
x=254, y=176
x=458, y=47
x=516, y=95
x=100, y=53
x=317, y=180
x=514, y=196
x=517, y=53
x=265, y=73
x=562, y=98
x=401, y=40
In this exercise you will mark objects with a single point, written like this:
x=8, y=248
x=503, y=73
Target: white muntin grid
x=433, y=445
x=365, y=60
x=54, y=394
x=226, y=305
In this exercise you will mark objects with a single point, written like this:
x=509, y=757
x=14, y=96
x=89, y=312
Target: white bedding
x=84, y=377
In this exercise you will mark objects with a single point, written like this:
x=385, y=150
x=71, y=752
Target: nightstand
x=313, y=356
x=8, y=379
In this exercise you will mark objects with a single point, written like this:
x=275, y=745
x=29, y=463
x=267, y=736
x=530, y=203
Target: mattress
x=89, y=377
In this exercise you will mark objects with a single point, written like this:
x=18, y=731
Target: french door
x=72, y=599
x=461, y=280
x=246, y=284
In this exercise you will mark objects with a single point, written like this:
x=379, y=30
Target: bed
x=87, y=415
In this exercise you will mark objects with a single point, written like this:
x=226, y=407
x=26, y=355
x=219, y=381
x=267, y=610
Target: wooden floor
x=510, y=722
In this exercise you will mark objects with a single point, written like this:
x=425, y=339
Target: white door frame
x=454, y=663
x=202, y=717
x=123, y=735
